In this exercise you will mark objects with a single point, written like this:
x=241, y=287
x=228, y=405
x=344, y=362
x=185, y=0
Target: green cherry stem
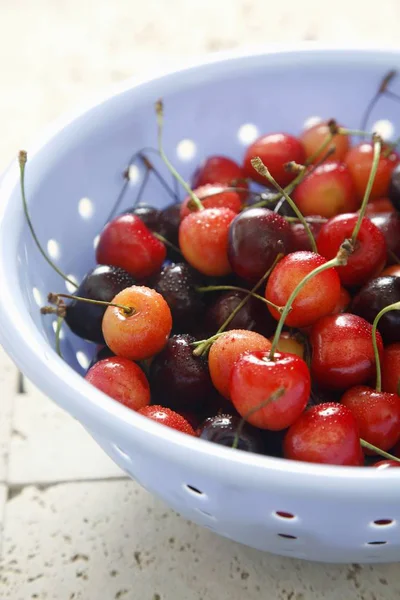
x=22, y=159
x=171, y=168
x=60, y=321
x=259, y=166
x=272, y=398
x=357, y=132
x=339, y=260
x=54, y=299
x=377, y=450
x=166, y=242
x=204, y=346
x=371, y=179
x=386, y=309
x=235, y=288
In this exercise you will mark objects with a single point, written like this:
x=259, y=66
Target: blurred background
x=54, y=53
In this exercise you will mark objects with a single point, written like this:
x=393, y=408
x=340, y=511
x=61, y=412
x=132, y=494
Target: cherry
x=253, y=316
x=317, y=298
x=255, y=378
x=275, y=150
x=177, y=284
x=391, y=368
x=389, y=225
x=167, y=417
x=391, y=270
x=394, y=187
x=326, y=434
x=213, y=196
x=101, y=353
x=374, y=296
x=121, y=379
x=378, y=206
x=219, y=169
x=291, y=343
x=256, y=237
x=225, y=429
x=143, y=332
x=300, y=239
x=180, y=380
x=146, y=213
x=313, y=138
x=369, y=255
x=359, y=162
x=342, y=351
x=226, y=350
x=343, y=302
x=382, y=465
x=377, y=415
x=101, y=283
x=327, y=191
x=126, y=242
x=203, y=240
x=168, y=226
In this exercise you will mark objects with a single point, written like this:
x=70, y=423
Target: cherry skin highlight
x=255, y=378
x=126, y=242
x=203, y=240
x=167, y=417
x=342, y=351
x=327, y=434
x=317, y=298
x=121, y=379
x=143, y=333
x=226, y=350
x=275, y=150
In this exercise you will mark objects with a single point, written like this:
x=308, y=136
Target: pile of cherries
x=262, y=312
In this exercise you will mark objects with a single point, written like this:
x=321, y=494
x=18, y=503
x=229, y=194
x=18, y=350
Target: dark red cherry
x=389, y=225
x=253, y=316
x=374, y=296
x=177, y=284
x=101, y=353
x=168, y=223
x=103, y=283
x=394, y=187
x=222, y=429
x=178, y=379
x=256, y=237
x=148, y=214
x=301, y=241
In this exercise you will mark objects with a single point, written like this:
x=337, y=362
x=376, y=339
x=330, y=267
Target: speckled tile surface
x=108, y=539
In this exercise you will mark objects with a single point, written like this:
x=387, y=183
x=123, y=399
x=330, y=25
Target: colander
x=317, y=512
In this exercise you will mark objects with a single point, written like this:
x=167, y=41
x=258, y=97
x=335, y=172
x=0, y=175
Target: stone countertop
x=73, y=526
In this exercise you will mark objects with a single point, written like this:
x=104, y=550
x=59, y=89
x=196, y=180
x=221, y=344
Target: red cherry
x=203, y=240
x=343, y=302
x=327, y=191
x=300, y=239
x=317, y=298
x=226, y=350
x=167, y=417
x=255, y=378
x=378, y=206
x=126, y=242
x=327, y=434
x=121, y=379
x=213, y=196
x=313, y=137
x=377, y=415
x=359, y=162
x=391, y=369
x=145, y=332
x=275, y=150
x=369, y=255
x=342, y=351
x=389, y=225
x=222, y=170
x=382, y=465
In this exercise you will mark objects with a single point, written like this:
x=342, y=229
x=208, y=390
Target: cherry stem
x=371, y=179
x=339, y=260
x=187, y=188
x=377, y=450
x=158, y=176
x=358, y=132
x=53, y=298
x=205, y=344
x=259, y=166
x=386, y=309
x=315, y=219
x=273, y=398
x=381, y=90
x=166, y=242
x=235, y=288
x=22, y=159
x=60, y=321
